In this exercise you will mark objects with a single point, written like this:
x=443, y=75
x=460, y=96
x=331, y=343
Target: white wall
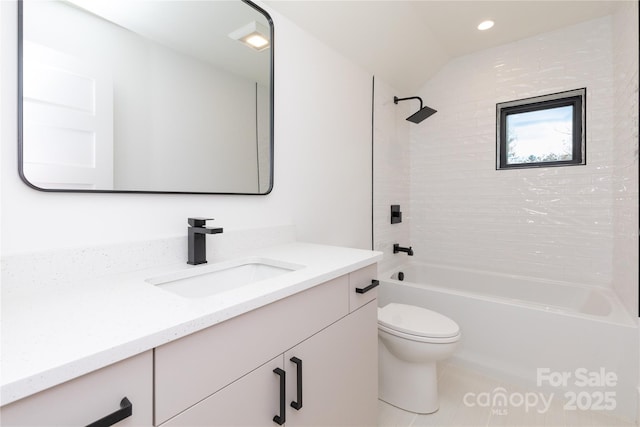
x=322, y=164
x=392, y=177
x=323, y=115
x=264, y=138
x=625, y=154
x=553, y=223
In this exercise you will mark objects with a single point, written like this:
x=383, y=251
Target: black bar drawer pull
x=297, y=404
x=126, y=410
x=280, y=419
x=373, y=284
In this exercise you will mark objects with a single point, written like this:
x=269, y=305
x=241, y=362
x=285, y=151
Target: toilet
x=410, y=341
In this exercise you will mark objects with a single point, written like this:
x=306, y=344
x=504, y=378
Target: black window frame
x=576, y=98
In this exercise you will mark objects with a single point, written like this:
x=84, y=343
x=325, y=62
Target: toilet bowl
x=411, y=340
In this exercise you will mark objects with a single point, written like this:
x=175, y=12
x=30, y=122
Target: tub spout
x=397, y=248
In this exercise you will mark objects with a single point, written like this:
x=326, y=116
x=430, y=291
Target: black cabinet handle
x=280, y=419
x=297, y=404
x=373, y=284
x=126, y=410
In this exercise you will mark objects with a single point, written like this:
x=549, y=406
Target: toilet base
x=409, y=386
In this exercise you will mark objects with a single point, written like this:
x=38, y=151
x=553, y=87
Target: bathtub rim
x=617, y=316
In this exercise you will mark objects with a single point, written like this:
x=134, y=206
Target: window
x=543, y=131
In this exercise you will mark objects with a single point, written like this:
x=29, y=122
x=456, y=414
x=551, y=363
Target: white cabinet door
x=252, y=400
x=89, y=398
x=339, y=373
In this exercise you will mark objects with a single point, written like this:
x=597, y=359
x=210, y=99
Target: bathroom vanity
x=297, y=349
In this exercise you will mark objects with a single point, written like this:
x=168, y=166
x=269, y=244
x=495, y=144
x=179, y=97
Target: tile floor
x=456, y=381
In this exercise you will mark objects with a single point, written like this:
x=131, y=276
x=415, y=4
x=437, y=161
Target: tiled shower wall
x=391, y=177
x=553, y=223
x=625, y=154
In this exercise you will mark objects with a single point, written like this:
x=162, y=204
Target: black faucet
x=197, y=242
x=397, y=248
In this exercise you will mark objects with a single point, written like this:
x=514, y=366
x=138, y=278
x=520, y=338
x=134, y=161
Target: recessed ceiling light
x=254, y=34
x=485, y=25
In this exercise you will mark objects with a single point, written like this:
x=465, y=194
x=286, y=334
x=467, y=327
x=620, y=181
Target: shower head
x=419, y=115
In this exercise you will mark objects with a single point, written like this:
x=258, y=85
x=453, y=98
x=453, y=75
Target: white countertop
x=57, y=332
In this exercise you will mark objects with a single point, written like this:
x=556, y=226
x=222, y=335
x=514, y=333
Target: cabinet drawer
x=361, y=279
x=191, y=368
x=89, y=398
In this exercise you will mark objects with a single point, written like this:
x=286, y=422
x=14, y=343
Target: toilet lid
x=417, y=321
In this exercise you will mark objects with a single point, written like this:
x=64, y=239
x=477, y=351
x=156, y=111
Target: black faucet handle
x=198, y=222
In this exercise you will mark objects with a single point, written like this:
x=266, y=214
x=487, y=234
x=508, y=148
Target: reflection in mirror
x=146, y=96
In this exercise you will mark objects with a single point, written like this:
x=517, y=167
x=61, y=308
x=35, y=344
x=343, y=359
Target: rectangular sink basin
x=207, y=280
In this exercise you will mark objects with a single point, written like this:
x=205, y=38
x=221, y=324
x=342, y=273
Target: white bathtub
x=512, y=327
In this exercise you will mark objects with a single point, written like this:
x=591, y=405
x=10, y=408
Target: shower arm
x=396, y=100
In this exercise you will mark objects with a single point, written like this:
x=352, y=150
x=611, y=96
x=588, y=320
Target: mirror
x=145, y=96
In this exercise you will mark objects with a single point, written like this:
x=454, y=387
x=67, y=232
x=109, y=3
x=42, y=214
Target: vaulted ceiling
x=406, y=42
